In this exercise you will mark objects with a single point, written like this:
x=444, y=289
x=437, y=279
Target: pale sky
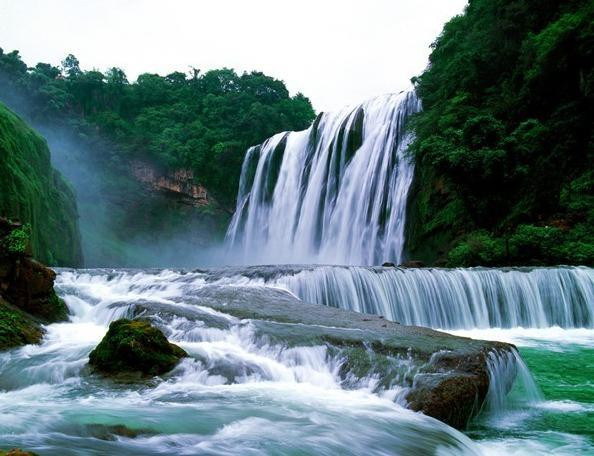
x=336, y=52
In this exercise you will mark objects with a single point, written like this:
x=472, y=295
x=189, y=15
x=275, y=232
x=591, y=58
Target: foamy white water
x=334, y=193
x=237, y=394
x=240, y=394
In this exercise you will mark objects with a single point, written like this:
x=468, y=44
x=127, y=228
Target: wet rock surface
x=134, y=347
x=27, y=296
x=444, y=376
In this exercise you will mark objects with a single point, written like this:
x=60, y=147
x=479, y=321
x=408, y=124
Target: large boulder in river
x=135, y=346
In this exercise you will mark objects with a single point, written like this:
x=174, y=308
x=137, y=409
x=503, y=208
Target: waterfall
x=454, y=298
x=334, y=193
x=508, y=370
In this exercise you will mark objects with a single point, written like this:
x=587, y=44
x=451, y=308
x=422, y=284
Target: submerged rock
x=135, y=346
x=111, y=432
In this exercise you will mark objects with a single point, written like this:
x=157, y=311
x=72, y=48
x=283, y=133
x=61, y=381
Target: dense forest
x=98, y=124
x=32, y=191
x=204, y=122
x=505, y=145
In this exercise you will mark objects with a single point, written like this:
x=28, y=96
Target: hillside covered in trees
x=34, y=193
x=99, y=124
x=200, y=121
x=505, y=145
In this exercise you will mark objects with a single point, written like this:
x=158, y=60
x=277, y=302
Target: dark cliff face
x=27, y=296
x=33, y=192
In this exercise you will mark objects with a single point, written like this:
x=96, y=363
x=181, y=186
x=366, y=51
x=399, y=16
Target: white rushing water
x=335, y=193
x=454, y=298
x=236, y=394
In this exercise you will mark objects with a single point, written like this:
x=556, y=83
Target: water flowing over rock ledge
x=333, y=193
x=444, y=376
x=438, y=298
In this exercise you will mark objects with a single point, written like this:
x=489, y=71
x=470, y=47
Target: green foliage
x=506, y=136
x=135, y=346
x=479, y=248
x=18, y=240
x=34, y=193
x=204, y=122
x=17, y=327
x=529, y=244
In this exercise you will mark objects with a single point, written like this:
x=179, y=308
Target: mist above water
x=123, y=223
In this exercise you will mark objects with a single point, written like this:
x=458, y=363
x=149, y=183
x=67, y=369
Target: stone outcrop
x=27, y=296
x=134, y=347
x=412, y=264
x=444, y=376
x=179, y=182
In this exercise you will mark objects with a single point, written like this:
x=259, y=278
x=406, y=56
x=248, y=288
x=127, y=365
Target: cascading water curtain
x=334, y=193
x=454, y=298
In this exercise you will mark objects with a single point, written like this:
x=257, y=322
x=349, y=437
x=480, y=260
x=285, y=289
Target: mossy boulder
x=132, y=347
x=17, y=327
x=16, y=452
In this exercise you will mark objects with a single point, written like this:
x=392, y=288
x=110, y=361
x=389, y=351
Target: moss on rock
x=16, y=452
x=135, y=346
x=17, y=328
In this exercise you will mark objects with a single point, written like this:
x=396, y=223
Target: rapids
x=282, y=400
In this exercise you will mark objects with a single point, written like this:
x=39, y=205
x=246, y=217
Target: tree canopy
x=505, y=144
x=202, y=121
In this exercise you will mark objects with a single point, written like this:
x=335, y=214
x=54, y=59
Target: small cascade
x=335, y=193
x=507, y=372
x=453, y=298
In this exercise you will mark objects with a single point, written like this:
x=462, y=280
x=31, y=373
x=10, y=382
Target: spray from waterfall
x=335, y=193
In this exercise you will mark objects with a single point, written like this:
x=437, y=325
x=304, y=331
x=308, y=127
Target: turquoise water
x=562, y=423
x=283, y=401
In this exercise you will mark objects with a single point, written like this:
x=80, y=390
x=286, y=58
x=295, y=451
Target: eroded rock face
x=452, y=388
x=135, y=347
x=180, y=182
